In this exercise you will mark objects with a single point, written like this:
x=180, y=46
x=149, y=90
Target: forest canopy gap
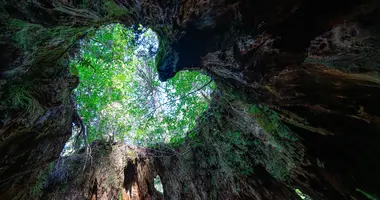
x=120, y=97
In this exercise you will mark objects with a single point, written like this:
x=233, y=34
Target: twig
x=185, y=96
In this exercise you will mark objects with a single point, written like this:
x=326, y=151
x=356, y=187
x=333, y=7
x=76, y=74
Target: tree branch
x=185, y=96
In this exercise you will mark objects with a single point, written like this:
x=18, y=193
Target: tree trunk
x=311, y=65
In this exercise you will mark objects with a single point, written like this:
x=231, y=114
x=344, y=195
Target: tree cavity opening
x=120, y=97
x=158, y=184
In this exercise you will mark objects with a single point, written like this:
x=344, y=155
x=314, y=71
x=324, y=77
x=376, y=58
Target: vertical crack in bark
x=93, y=193
x=130, y=176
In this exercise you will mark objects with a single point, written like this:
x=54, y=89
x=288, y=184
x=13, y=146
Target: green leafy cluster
x=120, y=97
x=302, y=195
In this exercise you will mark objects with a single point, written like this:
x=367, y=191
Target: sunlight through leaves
x=120, y=97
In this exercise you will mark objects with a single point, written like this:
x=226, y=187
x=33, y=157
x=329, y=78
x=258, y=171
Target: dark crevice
x=94, y=191
x=130, y=176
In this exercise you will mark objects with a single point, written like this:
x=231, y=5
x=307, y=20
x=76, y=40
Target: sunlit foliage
x=120, y=96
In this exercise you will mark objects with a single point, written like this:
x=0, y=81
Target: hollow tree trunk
x=255, y=48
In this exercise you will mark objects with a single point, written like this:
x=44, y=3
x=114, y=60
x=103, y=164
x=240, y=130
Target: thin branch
x=68, y=48
x=185, y=96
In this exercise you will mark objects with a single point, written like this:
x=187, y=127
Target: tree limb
x=185, y=96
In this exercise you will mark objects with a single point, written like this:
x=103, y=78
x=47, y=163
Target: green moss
x=278, y=168
x=276, y=148
x=235, y=152
x=63, y=187
x=131, y=154
x=20, y=97
x=165, y=37
x=270, y=122
x=113, y=9
x=37, y=189
x=279, y=151
x=163, y=49
x=25, y=33
x=44, y=44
